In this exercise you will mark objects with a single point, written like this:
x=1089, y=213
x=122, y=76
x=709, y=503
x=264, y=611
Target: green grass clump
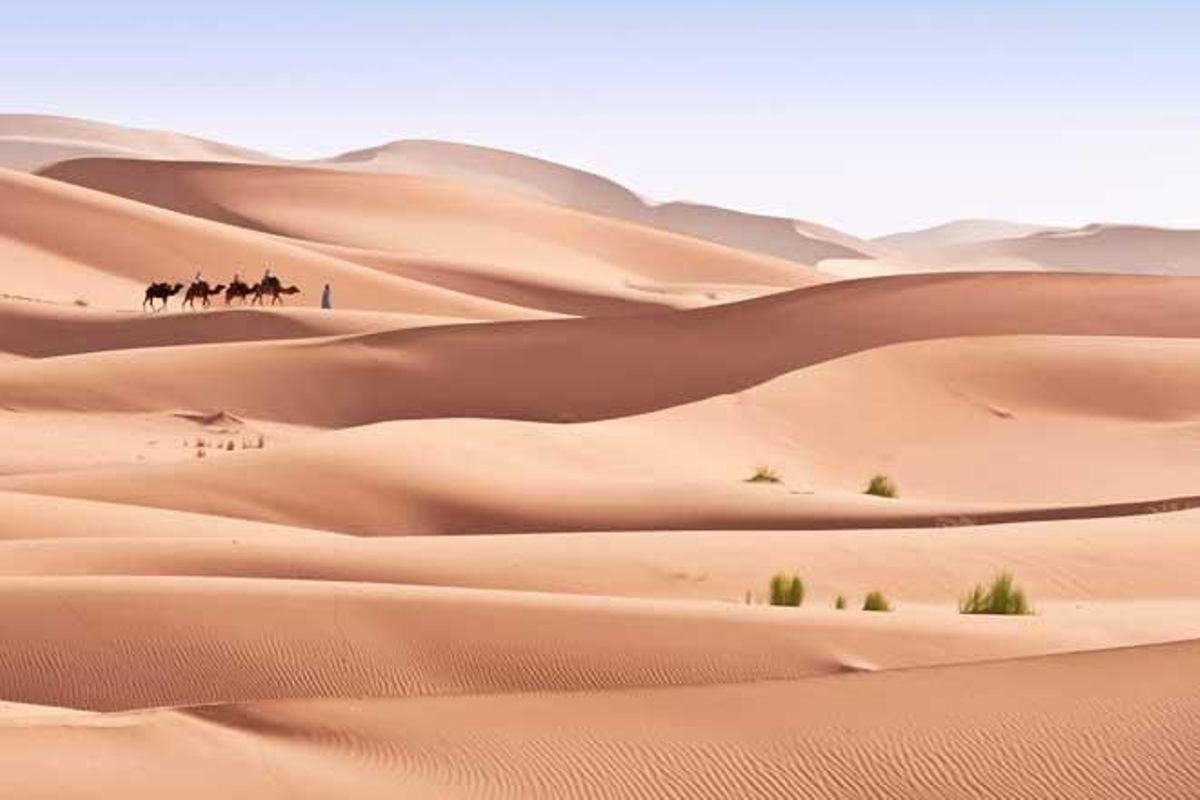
x=840, y=603
x=882, y=486
x=787, y=590
x=875, y=601
x=765, y=475
x=1002, y=597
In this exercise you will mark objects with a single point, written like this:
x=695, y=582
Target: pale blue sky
x=870, y=116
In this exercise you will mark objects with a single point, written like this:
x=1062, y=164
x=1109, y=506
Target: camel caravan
x=237, y=289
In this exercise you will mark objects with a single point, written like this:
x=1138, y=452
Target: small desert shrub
x=875, y=601
x=882, y=486
x=201, y=453
x=229, y=445
x=840, y=603
x=254, y=444
x=765, y=475
x=79, y=301
x=787, y=590
x=1002, y=597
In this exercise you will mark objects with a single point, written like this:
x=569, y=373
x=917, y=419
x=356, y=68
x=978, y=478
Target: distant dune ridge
x=487, y=527
x=959, y=232
x=30, y=142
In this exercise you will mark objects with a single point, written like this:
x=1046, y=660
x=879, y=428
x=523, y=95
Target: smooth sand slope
x=40, y=330
x=981, y=429
x=803, y=242
x=587, y=369
x=437, y=222
x=985, y=430
x=68, y=244
x=29, y=142
x=963, y=441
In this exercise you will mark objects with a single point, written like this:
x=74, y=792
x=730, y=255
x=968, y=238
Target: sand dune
x=41, y=330
x=258, y=551
x=1038, y=728
x=29, y=142
x=72, y=244
x=1084, y=568
x=430, y=219
x=959, y=232
x=803, y=242
x=1095, y=248
x=157, y=642
x=28, y=517
x=962, y=424
x=577, y=370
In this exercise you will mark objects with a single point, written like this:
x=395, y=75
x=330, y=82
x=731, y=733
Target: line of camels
x=200, y=290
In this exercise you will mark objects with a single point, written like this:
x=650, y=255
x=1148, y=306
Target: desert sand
x=486, y=528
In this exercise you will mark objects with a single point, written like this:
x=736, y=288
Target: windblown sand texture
x=485, y=529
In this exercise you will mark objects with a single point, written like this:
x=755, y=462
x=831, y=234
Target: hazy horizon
x=870, y=118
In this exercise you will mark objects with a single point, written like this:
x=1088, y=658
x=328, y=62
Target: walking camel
x=201, y=289
x=160, y=291
x=272, y=287
x=238, y=289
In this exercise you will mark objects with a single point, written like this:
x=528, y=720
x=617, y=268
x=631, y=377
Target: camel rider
x=198, y=277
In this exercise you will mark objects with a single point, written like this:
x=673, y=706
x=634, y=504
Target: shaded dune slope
x=43, y=330
x=977, y=430
x=534, y=178
x=574, y=370
x=105, y=250
x=429, y=218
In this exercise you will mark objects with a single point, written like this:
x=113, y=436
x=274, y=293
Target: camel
x=238, y=289
x=160, y=291
x=274, y=289
x=202, y=290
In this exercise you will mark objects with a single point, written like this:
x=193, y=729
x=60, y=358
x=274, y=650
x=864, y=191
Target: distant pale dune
x=959, y=232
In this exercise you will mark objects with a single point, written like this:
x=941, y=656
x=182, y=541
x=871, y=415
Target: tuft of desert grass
x=1002, y=597
x=254, y=444
x=786, y=590
x=875, y=601
x=201, y=452
x=881, y=486
x=765, y=475
x=840, y=603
